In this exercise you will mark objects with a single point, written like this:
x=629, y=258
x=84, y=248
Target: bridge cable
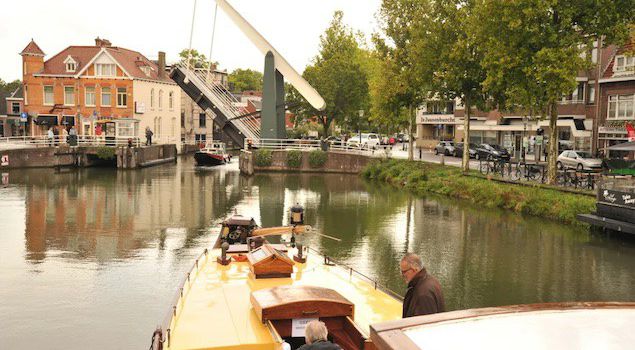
x=189, y=51
x=211, y=46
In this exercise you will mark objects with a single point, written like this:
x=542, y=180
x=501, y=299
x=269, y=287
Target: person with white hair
x=424, y=295
x=316, y=336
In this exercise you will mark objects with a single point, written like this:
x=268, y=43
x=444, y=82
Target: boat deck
x=215, y=311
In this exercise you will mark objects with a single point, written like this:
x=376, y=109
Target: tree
x=537, y=60
x=245, y=79
x=451, y=56
x=396, y=88
x=338, y=74
x=10, y=87
x=196, y=59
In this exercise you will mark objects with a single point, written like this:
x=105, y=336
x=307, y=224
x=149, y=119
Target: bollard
x=442, y=159
x=222, y=259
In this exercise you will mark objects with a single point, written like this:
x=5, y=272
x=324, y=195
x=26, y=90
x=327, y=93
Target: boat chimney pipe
x=300, y=256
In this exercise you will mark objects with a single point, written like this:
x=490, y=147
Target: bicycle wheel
x=483, y=167
x=516, y=174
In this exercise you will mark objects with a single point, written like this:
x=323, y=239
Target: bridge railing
x=304, y=144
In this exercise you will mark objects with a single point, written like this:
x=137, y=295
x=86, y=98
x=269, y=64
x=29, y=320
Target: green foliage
x=294, y=159
x=338, y=74
x=317, y=158
x=196, y=59
x=423, y=178
x=263, y=157
x=245, y=79
x=9, y=87
x=105, y=153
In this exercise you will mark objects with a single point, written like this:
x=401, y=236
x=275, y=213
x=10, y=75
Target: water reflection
x=115, y=244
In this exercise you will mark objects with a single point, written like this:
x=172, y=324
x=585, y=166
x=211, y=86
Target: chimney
x=102, y=42
x=161, y=64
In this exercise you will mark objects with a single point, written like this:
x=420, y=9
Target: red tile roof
x=32, y=49
x=628, y=47
x=131, y=61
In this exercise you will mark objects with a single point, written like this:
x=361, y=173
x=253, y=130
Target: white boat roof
x=592, y=326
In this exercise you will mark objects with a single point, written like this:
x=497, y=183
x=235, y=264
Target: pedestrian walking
x=72, y=136
x=424, y=295
x=64, y=135
x=50, y=136
x=149, y=134
x=56, y=135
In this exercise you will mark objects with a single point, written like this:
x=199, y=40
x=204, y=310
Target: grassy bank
x=422, y=178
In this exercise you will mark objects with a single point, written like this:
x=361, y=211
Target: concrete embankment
x=280, y=160
x=64, y=156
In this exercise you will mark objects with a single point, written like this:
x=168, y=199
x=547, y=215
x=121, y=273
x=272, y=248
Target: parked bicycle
x=493, y=166
x=530, y=172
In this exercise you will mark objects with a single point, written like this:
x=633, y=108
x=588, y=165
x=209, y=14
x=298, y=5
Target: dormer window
x=71, y=64
x=146, y=70
x=624, y=64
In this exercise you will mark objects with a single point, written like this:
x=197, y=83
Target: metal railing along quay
x=80, y=140
x=309, y=144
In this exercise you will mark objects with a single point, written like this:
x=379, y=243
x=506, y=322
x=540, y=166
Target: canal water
x=90, y=259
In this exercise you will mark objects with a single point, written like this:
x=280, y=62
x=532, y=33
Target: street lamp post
x=524, y=149
x=359, y=125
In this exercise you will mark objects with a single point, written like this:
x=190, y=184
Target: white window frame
x=100, y=70
x=71, y=67
x=87, y=93
x=26, y=100
x=125, y=95
x=615, y=105
x=171, y=100
x=152, y=98
x=52, y=95
x=109, y=94
x=628, y=66
x=66, y=102
x=160, y=99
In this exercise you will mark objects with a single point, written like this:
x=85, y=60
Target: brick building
x=582, y=123
x=100, y=90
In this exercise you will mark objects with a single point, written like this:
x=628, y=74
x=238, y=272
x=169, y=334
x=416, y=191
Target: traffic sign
x=24, y=117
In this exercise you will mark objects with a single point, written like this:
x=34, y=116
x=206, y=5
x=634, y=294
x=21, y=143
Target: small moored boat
x=214, y=153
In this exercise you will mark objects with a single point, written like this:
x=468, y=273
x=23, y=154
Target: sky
x=293, y=27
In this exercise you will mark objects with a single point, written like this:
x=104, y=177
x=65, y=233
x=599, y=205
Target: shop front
x=609, y=136
x=432, y=128
x=43, y=122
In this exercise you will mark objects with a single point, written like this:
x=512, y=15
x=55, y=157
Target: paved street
x=428, y=156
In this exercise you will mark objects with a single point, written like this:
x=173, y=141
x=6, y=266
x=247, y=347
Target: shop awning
x=46, y=120
x=625, y=146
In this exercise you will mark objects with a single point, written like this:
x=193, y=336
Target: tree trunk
x=466, y=138
x=410, y=133
x=553, y=143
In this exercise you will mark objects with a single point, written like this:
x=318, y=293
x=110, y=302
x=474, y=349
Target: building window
x=591, y=97
x=624, y=64
x=90, y=96
x=122, y=97
x=152, y=98
x=70, y=67
x=171, y=100
x=69, y=95
x=105, y=70
x=26, y=100
x=106, y=97
x=621, y=107
x=160, y=98
x=201, y=120
x=48, y=95
x=15, y=107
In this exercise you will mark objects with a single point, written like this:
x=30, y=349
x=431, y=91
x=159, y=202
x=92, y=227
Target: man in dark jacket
x=424, y=295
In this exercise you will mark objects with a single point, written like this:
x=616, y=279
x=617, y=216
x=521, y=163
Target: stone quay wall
x=336, y=162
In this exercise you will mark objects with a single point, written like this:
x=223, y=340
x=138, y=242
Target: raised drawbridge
x=221, y=105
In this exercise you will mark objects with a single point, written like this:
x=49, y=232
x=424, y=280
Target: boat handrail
x=332, y=262
x=163, y=330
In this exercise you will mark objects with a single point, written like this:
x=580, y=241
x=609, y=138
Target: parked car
x=578, y=160
x=444, y=147
x=492, y=151
x=401, y=138
x=334, y=141
x=366, y=141
x=458, y=150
